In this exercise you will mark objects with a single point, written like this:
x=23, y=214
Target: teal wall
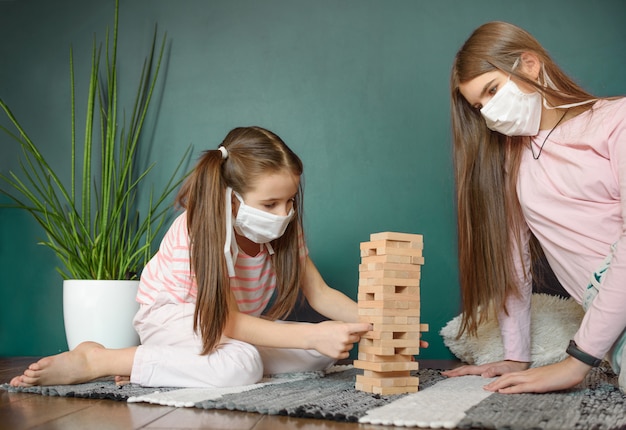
x=358, y=88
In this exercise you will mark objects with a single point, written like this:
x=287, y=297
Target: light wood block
x=390, y=319
x=387, y=273
x=385, y=243
x=392, y=334
x=397, y=259
x=390, y=235
x=384, y=391
x=393, y=343
x=407, y=267
x=390, y=290
x=385, y=358
x=409, y=329
x=397, y=282
x=386, y=367
x=411, y=312
x=368, y=251
x=389, y=304
x=406, y=381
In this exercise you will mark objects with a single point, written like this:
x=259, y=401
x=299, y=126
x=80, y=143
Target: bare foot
x=72, y=367
x=122, y=380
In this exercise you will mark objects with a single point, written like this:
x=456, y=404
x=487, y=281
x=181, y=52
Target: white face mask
x=513, y=112
x=260, y=226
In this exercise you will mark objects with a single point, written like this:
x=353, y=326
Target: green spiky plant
x=94, y=226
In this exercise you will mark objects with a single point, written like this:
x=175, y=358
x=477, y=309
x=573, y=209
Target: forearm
x=335, y=305
x=331, y=303
x=262, y=332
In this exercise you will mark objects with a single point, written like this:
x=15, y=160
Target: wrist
x=575, y=352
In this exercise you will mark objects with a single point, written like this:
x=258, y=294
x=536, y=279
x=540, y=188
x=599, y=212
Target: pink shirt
x=571, y=200
x=167, y=277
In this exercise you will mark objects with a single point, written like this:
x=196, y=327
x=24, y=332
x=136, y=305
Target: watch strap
x=581, y=355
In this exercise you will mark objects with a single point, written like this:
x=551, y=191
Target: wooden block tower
x=389, y=299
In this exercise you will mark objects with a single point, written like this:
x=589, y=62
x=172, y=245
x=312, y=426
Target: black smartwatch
x=581, y=355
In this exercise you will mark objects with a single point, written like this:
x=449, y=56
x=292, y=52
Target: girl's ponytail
x=202, y=195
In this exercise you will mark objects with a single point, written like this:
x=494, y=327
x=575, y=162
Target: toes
x=30, y=373
x=20, y=381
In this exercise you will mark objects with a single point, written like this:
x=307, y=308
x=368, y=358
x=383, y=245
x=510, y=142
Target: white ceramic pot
x=100, y=311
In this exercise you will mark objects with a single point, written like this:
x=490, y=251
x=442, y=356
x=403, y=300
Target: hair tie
x=224, y=152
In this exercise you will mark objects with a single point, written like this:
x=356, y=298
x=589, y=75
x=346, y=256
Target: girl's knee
x=242, y=365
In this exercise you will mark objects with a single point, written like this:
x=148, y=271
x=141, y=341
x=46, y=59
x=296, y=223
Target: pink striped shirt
x=167, y=277
x=574, y=201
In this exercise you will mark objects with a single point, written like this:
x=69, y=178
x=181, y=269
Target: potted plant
x=94, y=225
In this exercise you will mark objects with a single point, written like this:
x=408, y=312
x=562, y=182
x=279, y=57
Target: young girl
x=227, y=269
x=538, y=161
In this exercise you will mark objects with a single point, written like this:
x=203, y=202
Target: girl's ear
x=530, y=65
x=234, y=204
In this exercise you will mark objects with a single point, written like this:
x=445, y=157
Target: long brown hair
x=486, y=169
x=252, y=153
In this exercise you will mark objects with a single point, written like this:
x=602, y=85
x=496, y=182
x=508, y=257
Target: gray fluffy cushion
x=554, y=321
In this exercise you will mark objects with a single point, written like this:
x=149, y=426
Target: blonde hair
x=487, y=165
x=252, y=153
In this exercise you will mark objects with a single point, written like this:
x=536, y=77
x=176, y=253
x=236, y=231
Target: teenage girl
x=229, y=267
x=538, y=161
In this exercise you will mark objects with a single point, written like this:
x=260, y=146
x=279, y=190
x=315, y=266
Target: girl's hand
x=488, y=370
x=335, y=339
x=554, y=377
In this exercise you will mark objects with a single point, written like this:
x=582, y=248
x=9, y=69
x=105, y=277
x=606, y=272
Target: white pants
x=169, y=354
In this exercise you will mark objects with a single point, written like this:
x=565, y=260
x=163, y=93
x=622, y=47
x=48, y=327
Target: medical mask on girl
x=260, y=226
x=513, y=112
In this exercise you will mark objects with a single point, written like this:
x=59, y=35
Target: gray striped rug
x=596, y=403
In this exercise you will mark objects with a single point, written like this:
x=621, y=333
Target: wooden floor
x=31, y=411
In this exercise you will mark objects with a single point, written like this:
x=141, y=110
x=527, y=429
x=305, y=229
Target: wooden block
x=387, y=375
x=393, y=343
x=387, y=250
x=390, y=335
x=411, y=312
x=397, y=282
x=373, y=358
x=407, y=351
x=389, y=319
x=423, y=327
x=390, y=391
x=417, y=260
x=384, y=243
x=368, y=349
x=386, y=273
x=363, y=387
x=386, y=367
x=387, y=350
x=382, y=297
x=391, y=235
x=408, y=329
x=388, y=304
x=384, y=391
x=406, y=267
x=391, y=290
x=404, y=381
x=396, y=259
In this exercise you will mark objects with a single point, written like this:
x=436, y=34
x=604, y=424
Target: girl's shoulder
x=610, y=106
x=178, y=232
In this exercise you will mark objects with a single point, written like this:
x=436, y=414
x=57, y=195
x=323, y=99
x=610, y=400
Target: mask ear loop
x=231, y=250
x=550, y=84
